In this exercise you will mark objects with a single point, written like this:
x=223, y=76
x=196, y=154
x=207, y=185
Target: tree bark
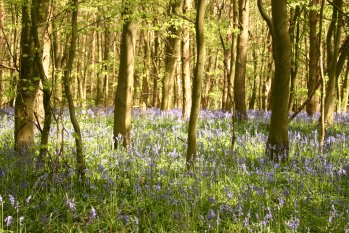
x=123, y=97
x=2, y=16
x=295, y=39
x=155, y=66
x=28, y=83
x=333, y=41
x=147, y=68
x=172, y=54
x=197, y=84
x=314, y=53
x=186, y=80
x=254, y=87
x=106, y=61
x=277, y=146
x=67, y=84
x=39, y=15
x=240, y=72
x=345, y=89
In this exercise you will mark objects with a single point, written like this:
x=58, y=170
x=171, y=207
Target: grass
x=149, y=190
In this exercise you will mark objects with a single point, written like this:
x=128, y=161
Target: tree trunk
x=155, y=67
x=333, y=41
x=234, y=13
x=277, y=146
x=147, y=68
x=295, y=39
x=254, y=87
x=240, y=72
x=186, y=80
x=99, y=86
x=2, y=16
x=197, y=84
x=67, y=84
x=344, y=53
x=106, y=61
x=314, y=55
x=123, y=97
x=27, y=86
x=345, y=89
x=41, y=62
x=172, y=53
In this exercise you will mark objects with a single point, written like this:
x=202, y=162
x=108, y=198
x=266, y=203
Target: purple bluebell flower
x=293, y=224
x=70, y=203
x=93, y=215
x=12, y=200
x=8, y=220
x=211, y=215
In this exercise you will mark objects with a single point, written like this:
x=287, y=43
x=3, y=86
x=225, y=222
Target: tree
x=123, y=97
x=172, y=53
x=39, y=13
x=333, y=40
x=197, y=83
x=29, y=74
x=277, y=146
x=186, y=81
x=67, y=83
x=241, y=58
x=314, y=55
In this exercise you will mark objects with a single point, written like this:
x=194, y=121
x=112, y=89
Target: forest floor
x=148, y=188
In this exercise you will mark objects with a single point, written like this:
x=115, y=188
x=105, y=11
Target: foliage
x=149, y=189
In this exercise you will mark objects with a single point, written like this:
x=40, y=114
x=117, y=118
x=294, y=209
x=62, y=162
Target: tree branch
x=305, y=102
x=265, y=17
x=2, y=66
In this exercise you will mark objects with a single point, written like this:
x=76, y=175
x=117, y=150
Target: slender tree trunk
x=233, y=14
x=106, y=60
x=2, y=16
x=240, y=72
x=333, y=41
x=41, y=62
x=197, y=84
x=343, y=56
x=345, y=89
x=314, y=54
x=172, y=54
x=147, y=68
x=155, y=67
x=277, y=146
x=99, y=86
x=123, y=97
x=295, y=39
x=254, y=87
x=266, y=89
x=67, y=83
x=186, y=80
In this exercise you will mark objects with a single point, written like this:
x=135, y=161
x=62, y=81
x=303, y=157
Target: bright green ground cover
x=149, y=190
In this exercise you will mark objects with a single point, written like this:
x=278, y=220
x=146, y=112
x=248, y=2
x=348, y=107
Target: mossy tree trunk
x=29, y=75
x=39, y=13
x=197, y=83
